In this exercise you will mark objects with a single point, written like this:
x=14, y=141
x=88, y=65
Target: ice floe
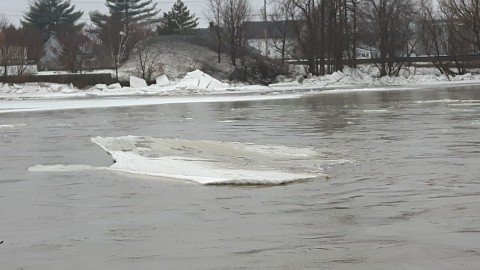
x=207, y=162
x=210, y=162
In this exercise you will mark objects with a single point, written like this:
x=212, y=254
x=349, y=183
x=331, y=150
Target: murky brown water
x=409, y=199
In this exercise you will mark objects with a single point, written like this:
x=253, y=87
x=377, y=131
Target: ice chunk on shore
x=211, y=162
x=162, y=80
x=136, y=82
x=199, y=79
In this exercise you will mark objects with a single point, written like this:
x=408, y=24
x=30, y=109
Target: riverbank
x=198, y=83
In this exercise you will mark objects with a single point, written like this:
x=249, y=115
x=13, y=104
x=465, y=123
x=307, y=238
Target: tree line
x=326, y=34
x=111, y=36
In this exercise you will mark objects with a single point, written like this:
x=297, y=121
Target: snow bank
x=368, y=76
x=198, y=83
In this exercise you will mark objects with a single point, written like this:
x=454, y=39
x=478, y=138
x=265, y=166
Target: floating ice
x=212, y=162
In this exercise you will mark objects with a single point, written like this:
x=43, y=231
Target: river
x=406, y=196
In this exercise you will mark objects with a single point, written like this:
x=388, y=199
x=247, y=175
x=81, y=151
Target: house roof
x=256, y=29
x=53, y=42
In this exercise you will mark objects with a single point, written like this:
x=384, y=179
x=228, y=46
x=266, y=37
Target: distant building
x=53, y=50
x=13, y=61
x=267, y=37
x=366, y=52
x=51, y=59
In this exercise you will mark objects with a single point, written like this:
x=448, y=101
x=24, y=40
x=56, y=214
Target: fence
x=78, y=80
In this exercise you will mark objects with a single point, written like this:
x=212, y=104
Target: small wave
x=376, y=111
x=60, y=168
x=12, y=126
x=465, y=104
x=437, y=101
x=475, y=123
x=228, y=121
x=463, y=110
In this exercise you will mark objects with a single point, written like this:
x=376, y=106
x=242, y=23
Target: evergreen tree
x=131, y=13
x=178, y=20
x=51, y=16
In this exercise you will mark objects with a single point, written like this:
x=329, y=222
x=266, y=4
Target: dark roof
x=256, y=29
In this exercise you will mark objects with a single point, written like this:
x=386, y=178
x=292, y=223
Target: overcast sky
x=13, y=10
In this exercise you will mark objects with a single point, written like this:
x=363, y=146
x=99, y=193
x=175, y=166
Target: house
x=366, y=52
x=51, y=59
x=54, y=48
x=268, y=38
x=13, y=55
x=14, y=61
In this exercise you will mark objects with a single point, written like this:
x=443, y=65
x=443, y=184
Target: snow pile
x=35, y=90
x=347, y=77
x=368, y=76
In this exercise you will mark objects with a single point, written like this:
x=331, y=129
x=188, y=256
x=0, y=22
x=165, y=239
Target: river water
x=408, y=197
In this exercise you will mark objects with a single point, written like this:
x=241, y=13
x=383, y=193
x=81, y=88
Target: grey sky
x=13, y=10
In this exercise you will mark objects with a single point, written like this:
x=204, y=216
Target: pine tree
x=178, y=20
x=131, y=13
x=51, y=16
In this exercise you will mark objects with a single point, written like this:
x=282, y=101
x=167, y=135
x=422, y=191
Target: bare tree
x=351, y=30
x=433, y=33
x=308, y=23
x=13, y=52
x=214, y=15
x=464, y=16
x=387, y=24
x=281, y=27
x=234, y=14
x=322, y=29
x=147, y=58
x=116, y=42
x=3, y=22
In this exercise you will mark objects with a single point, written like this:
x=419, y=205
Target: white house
x=53, y=49
x=366, y=52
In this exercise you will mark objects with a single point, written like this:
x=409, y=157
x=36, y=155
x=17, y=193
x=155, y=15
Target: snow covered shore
x=200, y=83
